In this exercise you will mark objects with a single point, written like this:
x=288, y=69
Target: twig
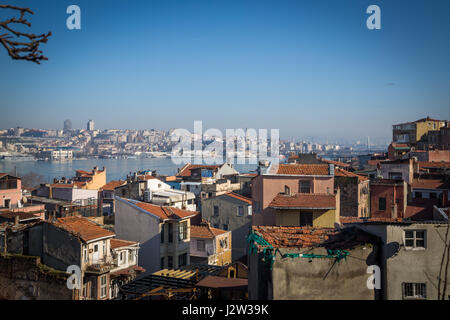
x=19, y=50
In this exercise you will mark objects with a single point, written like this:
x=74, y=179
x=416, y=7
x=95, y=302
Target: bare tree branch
x=21, y=50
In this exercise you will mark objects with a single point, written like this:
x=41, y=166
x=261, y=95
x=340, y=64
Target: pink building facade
x=314, y=179
x=10, y=191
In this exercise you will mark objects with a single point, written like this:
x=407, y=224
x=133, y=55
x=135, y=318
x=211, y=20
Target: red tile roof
x=430, y=184
x=305, y=237
x=186, y=170
x=429, y=164
x=117, y=243
x=304, y=200
x=113, y=185
x=303, y=169
x=345, y=220
x=84, y=228
x=239, y=197
x=164, y=212
x=205, y=231
x=300, y=237
x=22, y=215
x=336, y=163
x=222, y=282
x=344, y=173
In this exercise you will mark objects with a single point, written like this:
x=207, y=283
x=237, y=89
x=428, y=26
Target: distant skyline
x=308, y=68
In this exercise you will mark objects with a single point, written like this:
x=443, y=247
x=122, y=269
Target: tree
x=21, y=45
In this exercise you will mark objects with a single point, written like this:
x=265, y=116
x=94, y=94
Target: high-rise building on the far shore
x=67, y=125
x=90, y=125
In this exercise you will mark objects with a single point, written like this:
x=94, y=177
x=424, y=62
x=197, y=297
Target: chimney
x=16, y=220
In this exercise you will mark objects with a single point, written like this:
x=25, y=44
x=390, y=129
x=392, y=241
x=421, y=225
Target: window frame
x=414, y=238
x=415, y=288
x=379, y=204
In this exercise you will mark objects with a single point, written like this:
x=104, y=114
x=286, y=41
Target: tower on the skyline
x=90, y=125
x=67, y=125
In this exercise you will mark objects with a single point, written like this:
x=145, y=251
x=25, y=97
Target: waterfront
x=115, y=168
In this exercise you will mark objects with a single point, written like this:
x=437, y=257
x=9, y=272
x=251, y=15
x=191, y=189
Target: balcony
x=102, y=265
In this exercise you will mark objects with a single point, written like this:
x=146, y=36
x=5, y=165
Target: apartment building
x=163, y=232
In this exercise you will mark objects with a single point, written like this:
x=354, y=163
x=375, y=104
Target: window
x=216, y=226
x=225, y=227
x=170, y=233
x=96, y=248
x=104, y=247
x=305, y=187
x=85, y=254
x=395, y=175
x=170, y=262
x=200, y=245
x=433, y=195
x=287, y=190
x=162, y=263
x=240, y=211
x=216, y=211
x=131, y=256
x=414, y=290
x=163, y=230
x=182, y=260
x=306, y=219
x=182, y=231
x=419, y=195
x=381, y=204
x=103, y=286
x=414, y=238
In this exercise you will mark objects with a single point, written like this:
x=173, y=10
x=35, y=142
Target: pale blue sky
x=309, y=68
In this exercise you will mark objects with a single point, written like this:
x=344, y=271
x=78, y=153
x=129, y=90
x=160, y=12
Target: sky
x=308, y=68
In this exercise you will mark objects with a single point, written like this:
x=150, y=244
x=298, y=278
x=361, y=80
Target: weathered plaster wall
x=24, y=278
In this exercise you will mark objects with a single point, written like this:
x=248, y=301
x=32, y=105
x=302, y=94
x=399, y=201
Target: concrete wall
x=291, y=218
x=408, y=265
x=304, y=279
x=136, y=225
x=59, y=248
x=25, y=278
x=239, y=226
x=354, y=196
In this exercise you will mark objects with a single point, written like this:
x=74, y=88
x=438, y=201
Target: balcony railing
x=102, y=265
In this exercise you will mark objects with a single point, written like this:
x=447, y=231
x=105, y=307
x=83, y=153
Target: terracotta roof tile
x=113, y=185
x=344, y=173
x=303, y=169
x=164, y=212
x=86, y=229
x=430, y=184
x=239, y=197
x=186, y=170
x=429, y=164
x=117, y=243
x=300, y=237
x=304, y=200
x=304, y=237
x=205, y=231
